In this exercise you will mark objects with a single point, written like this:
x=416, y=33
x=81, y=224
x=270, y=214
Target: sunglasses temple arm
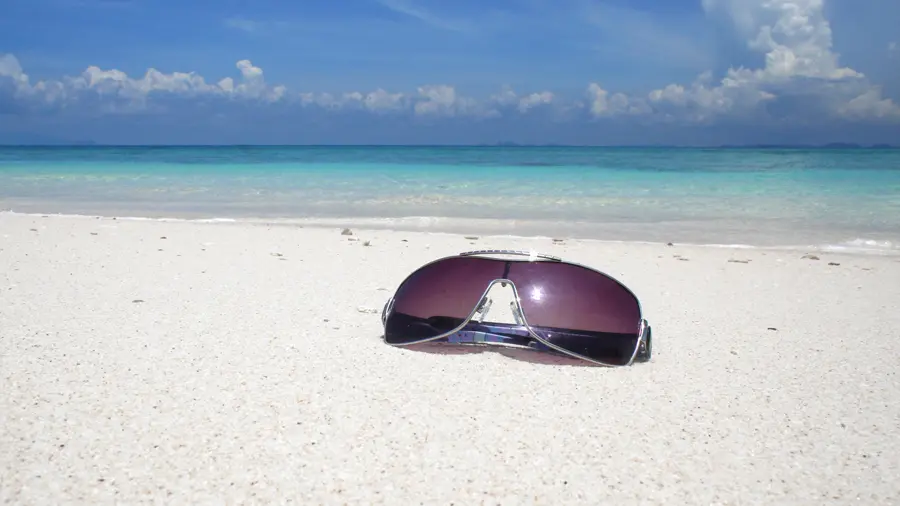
x=520, y=337
x=384, y=311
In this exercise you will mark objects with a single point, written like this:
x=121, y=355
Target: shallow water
x=831, y=198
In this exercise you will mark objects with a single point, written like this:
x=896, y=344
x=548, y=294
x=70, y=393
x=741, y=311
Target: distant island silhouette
x=46, y=141
x=830, y=145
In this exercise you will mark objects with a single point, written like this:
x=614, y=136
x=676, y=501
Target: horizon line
x=829, y=145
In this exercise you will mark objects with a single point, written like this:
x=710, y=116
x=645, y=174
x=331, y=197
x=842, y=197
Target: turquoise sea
x=825, y=198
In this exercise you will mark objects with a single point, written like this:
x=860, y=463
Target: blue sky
x=466, y=71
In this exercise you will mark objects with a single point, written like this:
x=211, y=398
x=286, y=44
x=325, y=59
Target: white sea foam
x=126, y=218
x=509, y=228
x=864, y=246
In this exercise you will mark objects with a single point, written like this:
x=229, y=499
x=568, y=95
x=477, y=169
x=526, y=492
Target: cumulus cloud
x=507, y=100
x=799, y=66
x=378, y=101
x=114, y=91
x=796, y=40
x=601, y=103
x=13, y=79
x=442, y=100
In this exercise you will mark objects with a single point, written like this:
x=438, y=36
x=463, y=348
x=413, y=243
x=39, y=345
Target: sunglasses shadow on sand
x=525, y=355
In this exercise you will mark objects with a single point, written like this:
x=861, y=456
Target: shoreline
x=438, y=225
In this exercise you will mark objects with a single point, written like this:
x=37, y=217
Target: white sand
x=248, y=377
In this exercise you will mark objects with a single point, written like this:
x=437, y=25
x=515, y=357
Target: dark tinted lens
x=579, y=310
x=438, y=297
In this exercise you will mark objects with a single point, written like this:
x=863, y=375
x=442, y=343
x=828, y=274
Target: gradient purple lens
x=579, y=310
x=575, y=308
x=561, y=295
x=437, y=298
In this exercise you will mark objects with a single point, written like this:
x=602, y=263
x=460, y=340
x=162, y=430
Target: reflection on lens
x=579, y=310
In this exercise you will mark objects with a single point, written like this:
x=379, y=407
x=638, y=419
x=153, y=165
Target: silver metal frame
x=643, y=341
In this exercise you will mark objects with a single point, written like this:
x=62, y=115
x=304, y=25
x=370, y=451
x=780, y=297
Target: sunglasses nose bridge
x=485, y=303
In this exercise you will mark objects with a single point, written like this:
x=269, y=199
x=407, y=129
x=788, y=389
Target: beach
x=186, y=362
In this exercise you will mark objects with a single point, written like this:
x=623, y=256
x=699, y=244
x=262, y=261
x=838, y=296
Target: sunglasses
x=558, y=306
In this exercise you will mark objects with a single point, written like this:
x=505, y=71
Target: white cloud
x=535, y=100
x=797, y=42
x=507, y=98
x=9, y=67
x=379, y=101
x=601, y=103
x=443, y=100
x=118, y=92
x=794, y=35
